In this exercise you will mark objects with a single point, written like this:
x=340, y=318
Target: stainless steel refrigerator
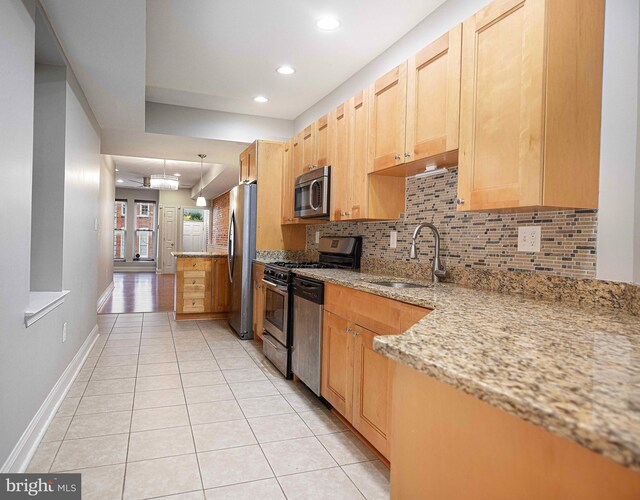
x=241, y=252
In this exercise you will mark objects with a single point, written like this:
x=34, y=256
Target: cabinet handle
x=355, y=334
x=194, y=282
x=193, y=303
x=194, y=264
x=460, y=201
x=348, y=330
x=289, y=219
x=397, y=156
x=407, y=154
x=347, y=213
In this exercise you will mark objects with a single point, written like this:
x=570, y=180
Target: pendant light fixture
x=163, y=181
x=201, y=202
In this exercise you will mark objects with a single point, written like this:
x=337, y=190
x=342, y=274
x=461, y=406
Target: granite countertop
x=575, y=371
x=210, y=254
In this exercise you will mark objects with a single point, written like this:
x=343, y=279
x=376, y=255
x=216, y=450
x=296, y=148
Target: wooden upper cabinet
x=433, y=100
x=359, y=154
x=249, y=164
x=530, y=105
x=387, y=116
x=322, y=142
x=307, y=151
x=288, y=185
x=341, y=167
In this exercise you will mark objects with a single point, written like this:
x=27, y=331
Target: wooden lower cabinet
x=220, y=296
x=201, y=288
x=356, y=380
x=258, y=299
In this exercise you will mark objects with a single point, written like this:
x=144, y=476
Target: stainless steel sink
x=397, y=284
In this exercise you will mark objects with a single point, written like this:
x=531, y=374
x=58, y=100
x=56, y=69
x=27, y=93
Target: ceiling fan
x=146, y=182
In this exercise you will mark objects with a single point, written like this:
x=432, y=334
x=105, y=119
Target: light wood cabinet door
x=288, y=185
x=322, y=142
x=387, y=119
x=249, y=164
x=258, y=300
x=221, y=286
x=358, y=154
x=337, y=364
x=341, y=166
x=433, y=98
x=304, y=151
x=244, y=166
x=372, y=386
x=502, y=122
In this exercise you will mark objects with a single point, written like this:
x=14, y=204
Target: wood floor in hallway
x=140, y=293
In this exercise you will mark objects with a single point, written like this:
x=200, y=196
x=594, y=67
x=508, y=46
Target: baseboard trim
x=105, y=295
x=24, y=450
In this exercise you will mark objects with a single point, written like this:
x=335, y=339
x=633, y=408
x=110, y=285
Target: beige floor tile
x=158, y=369
x=371, y=478
x=220, y=435
x=202, y=378
x=244, y=375
x=261, y=407
x=159, y=357
x=236, y=352
x=346, y=448
x=110, y=386
x=192, y=495
x=217, y=411
x=101, y=404
x=161, y=477
x=322, y=422
x=198, y=366
x=91, y=452
x=159, y=418
x=113, y=372
x=68, y=407
x=157, y=382
x=297, y=455
x=145, y=342
x=328, y=484
x=84, y=374
x=288, y=386
x=99, y=424
x=191, y=345
x=43, y=457
x=233, y=465
x=208, y=393
x=157, y=335
x=279, y=427
x=119, y=351
x=156, y=399
x=155, y=349
x=57, y=429
x=159, y=443
x=102, y=483
x=303, y=402
x=244, y=390
x=77, y=388
x=200, y=355
x=266, y=489
x=236, y=363
x=123, y=343
x=125, y=360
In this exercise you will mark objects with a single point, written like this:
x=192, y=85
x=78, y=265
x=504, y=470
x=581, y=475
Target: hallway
x=163, y=408
x=139, y=293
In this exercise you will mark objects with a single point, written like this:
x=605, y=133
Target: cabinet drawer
x=198, y=287
x=195, y=274
x=199, y=264
x=194, y=294
x=193, y=305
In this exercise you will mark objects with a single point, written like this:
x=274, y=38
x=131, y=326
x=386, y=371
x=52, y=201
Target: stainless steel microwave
x=312, y=193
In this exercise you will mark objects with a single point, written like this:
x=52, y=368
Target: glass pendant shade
x=201, y=202
x=164, y=182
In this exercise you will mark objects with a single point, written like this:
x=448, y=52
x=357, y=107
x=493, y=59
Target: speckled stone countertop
x=572, y=370
x=190, y=255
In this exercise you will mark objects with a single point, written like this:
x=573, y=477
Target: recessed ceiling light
x=120, y=181
x=328, y=24
x=177, y=175
x=117, y=170
x=286, y=70
x=260, y=98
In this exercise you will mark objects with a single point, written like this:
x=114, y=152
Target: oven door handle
x=274, y=343
x=314, y=183
x=272, y=285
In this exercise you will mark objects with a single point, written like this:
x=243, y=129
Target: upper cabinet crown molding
x=530, y=105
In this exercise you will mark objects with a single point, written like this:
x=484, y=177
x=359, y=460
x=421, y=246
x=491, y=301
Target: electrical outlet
x=317, y=237
x=393, y=239
x=529, y=238
x=64, y=332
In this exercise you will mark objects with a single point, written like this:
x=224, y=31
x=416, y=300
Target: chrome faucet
x=438, y=267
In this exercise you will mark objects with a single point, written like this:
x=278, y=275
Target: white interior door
x=169, y=232
x=193, y=236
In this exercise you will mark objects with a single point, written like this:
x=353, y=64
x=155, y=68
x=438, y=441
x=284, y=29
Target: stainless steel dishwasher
x=306, y=352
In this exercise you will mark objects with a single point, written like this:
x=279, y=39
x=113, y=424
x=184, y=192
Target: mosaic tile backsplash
x=476, y=240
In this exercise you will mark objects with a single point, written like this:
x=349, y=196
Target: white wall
x=105, y=223
x=178, y=120
x=33, y=359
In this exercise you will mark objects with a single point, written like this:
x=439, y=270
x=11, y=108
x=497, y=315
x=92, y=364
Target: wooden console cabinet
x=201, y=288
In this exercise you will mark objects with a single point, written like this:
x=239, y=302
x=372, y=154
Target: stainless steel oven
x=276, y=311
x=312, y=192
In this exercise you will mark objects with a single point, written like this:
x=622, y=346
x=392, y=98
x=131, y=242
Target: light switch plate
x=529, y=238
x=393, y=239
x=317, y=237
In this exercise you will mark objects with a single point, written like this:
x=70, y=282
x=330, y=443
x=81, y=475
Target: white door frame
x=168, y=267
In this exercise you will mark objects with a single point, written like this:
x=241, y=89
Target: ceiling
x=132, y=170
x=221, y=54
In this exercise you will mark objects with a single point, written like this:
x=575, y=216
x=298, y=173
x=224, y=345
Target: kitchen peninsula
x=202, y=285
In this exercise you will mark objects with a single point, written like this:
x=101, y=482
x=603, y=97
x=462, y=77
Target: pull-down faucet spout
x=438, y=269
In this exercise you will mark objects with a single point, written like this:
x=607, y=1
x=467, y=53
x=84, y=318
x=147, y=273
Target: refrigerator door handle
x=231, y=248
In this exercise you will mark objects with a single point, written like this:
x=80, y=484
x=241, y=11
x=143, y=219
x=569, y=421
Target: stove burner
x=300, y=265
